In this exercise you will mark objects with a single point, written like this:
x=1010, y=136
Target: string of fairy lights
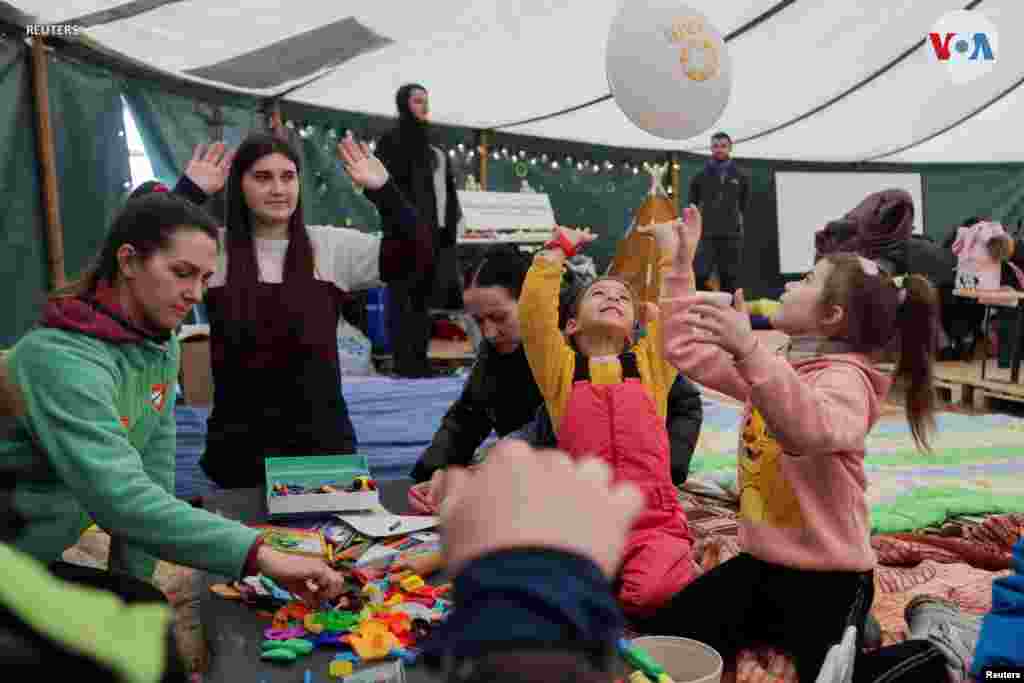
x=465, y=154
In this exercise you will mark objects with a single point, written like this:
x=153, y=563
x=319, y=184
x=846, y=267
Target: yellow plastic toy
x=340, y=668
x=311, y=625
x=375, y=645
x=412, y=583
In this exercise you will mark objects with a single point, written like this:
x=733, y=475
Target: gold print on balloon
x=697, y=50
x=765, y=495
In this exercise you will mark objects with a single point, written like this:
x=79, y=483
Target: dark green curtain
x=24, y=273
x=954, y=192
x=171, y=124
x=328, y=196
x=603, y=201
x=91, y=155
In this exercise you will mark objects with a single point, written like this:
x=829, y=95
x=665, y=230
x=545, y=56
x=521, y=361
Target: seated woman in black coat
x=501, y=395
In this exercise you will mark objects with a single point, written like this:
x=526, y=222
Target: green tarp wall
x=24, y=272
x=93, y=172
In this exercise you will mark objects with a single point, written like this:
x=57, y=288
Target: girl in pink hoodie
x=805, y=572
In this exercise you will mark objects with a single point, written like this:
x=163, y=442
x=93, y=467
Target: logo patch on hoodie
x=766, y=496
x=158, y=396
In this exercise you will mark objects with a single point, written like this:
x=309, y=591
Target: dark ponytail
x=503, y=265
x=917, y=329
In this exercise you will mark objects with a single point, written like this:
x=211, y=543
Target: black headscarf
x=412, y=134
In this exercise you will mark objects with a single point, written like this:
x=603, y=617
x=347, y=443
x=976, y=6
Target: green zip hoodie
x=98, y=441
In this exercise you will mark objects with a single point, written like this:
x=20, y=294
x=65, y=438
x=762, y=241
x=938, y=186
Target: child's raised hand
x=688, y=233
x=726, y=326
x=665, y=234
x=576, y=238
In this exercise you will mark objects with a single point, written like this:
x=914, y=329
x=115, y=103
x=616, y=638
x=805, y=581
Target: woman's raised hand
x=362, y=167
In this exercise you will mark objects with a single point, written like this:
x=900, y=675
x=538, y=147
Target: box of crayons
x=304, y=485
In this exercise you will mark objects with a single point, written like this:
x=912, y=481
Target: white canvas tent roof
x=816, y=80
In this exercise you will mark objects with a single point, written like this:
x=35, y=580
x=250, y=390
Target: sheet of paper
x=382, y=525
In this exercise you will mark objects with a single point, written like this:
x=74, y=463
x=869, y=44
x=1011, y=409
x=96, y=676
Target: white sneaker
x=946, y=626
x=838, y=665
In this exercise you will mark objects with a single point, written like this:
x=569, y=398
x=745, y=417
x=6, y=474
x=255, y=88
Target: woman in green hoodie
x=49, y=624
x=96, y=440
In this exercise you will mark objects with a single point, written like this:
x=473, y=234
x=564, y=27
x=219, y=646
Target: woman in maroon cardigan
x=274, y=306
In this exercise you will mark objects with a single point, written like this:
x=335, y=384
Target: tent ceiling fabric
x=493, y=62
x=296, y=57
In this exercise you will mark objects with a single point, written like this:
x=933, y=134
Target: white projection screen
x=807, y=201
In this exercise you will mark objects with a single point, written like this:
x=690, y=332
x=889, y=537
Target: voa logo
x=965, y=43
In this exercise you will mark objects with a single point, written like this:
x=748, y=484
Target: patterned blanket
x=975, y=468
x=957, y=560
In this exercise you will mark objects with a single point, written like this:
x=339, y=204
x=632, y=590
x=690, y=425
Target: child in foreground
x=805, y=572
x=606, y=395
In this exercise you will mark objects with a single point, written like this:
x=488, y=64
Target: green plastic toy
x=296, y=645
x=279, y=655
x=337, y=620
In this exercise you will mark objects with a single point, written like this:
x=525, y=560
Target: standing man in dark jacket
x=722, y=193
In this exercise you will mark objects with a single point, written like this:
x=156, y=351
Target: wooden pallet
x=962, y=381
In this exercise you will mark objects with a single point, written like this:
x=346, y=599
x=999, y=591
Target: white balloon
x=668, y=68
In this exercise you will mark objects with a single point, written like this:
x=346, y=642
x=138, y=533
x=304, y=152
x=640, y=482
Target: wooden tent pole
x=483, y=148
x=48, y=163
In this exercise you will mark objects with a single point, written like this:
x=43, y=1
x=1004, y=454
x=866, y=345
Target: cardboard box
x=313, y=471
x=196, y=372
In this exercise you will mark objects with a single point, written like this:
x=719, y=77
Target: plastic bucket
x=684, y=660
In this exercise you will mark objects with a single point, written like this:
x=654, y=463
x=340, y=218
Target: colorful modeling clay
x=226, y=591
x=340, y=669
x=279, y=655
x=284, y=634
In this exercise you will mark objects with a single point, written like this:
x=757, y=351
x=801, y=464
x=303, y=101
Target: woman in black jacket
x=501, y=394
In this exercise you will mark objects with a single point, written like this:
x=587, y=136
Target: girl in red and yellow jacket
x=607, y=398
